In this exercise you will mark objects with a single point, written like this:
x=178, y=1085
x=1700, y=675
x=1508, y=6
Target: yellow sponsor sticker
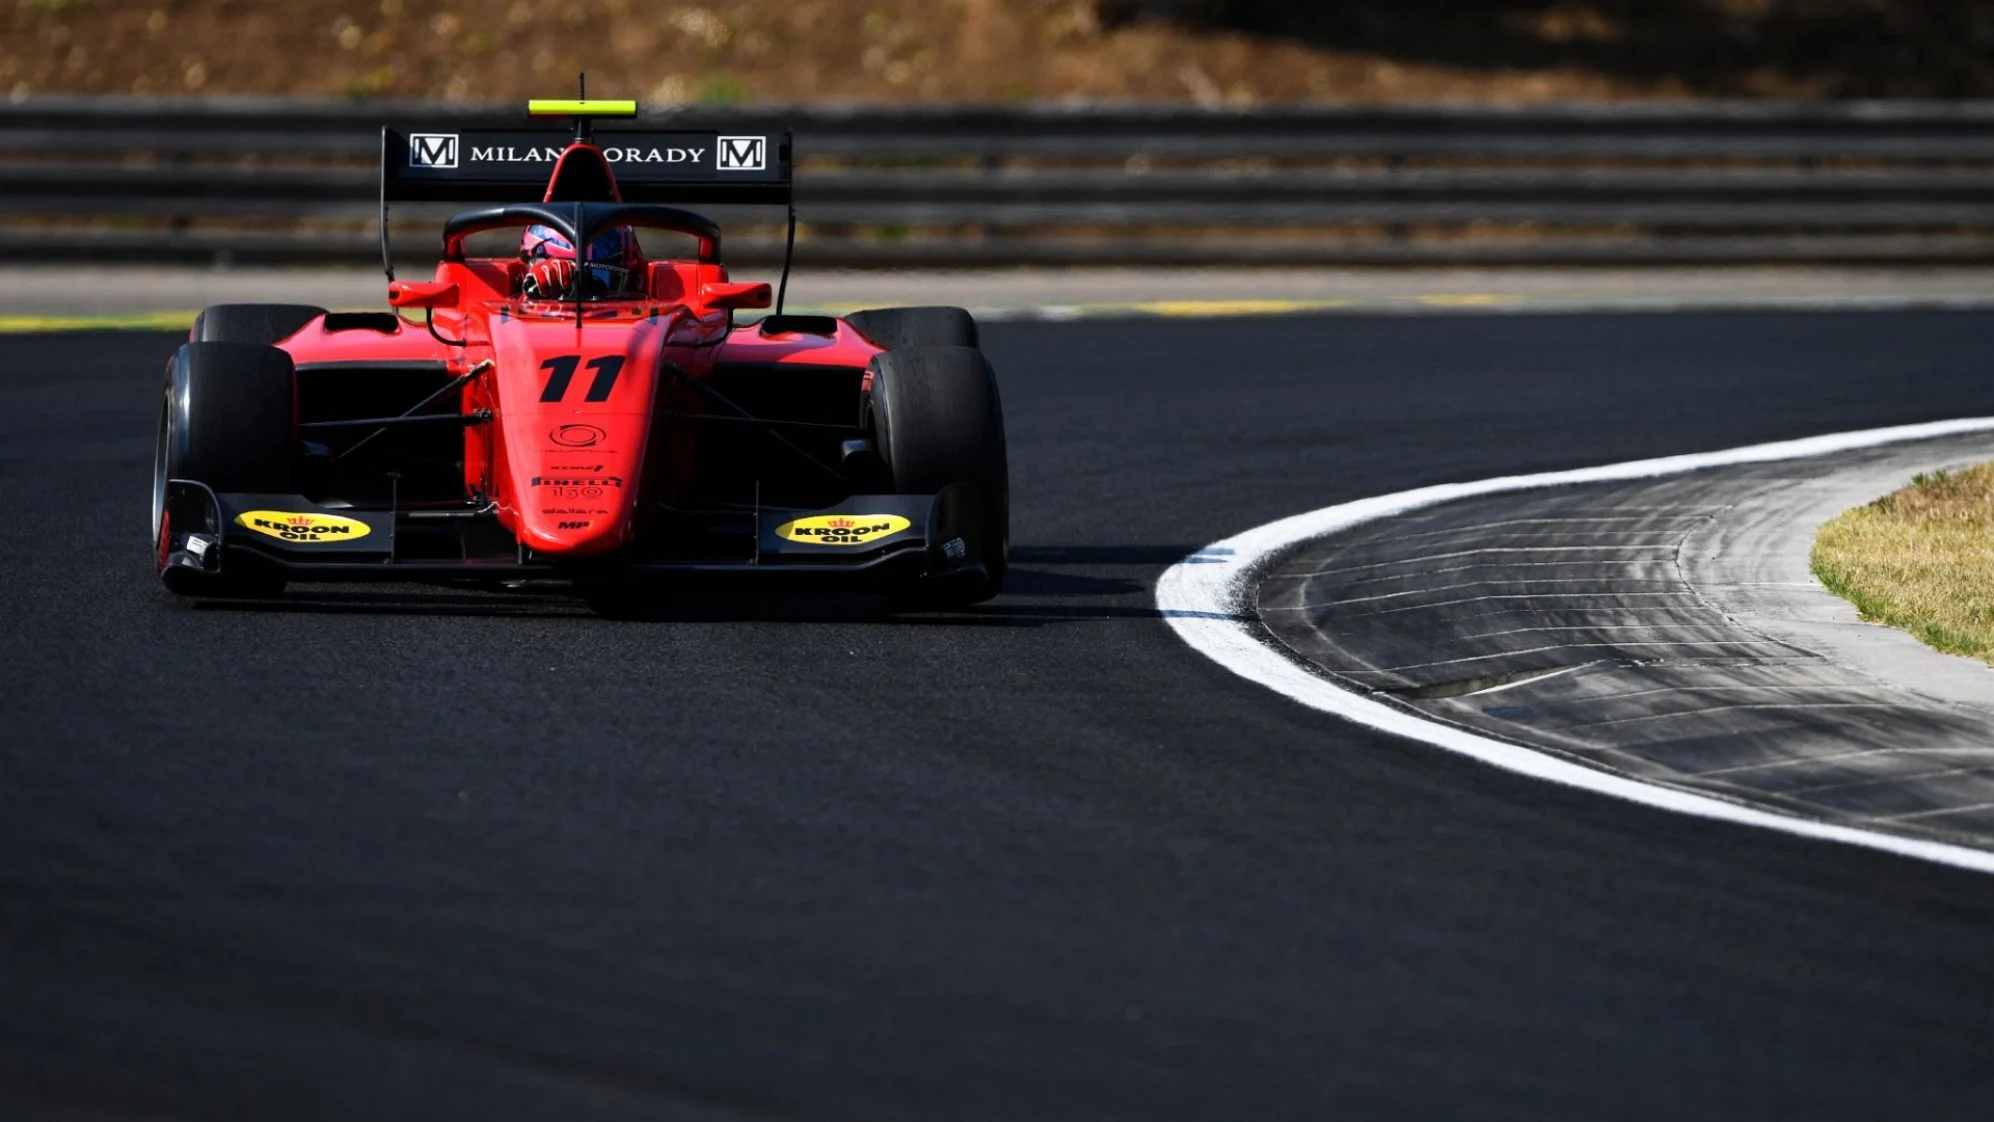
x=292, y=526
x=842, y=529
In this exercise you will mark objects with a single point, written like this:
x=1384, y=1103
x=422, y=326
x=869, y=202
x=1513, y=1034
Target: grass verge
x=1921, y=559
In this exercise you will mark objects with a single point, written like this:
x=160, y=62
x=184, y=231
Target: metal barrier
x=1727, y=182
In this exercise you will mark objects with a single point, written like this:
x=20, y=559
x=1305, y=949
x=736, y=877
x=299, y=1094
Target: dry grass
x=1921, y=559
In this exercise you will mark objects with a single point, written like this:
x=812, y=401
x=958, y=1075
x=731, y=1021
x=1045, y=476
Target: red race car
x=574, y=411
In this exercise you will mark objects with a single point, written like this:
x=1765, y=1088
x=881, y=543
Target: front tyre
x=938, y=422
x=228, y=418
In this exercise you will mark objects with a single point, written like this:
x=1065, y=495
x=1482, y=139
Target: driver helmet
x=605, y=270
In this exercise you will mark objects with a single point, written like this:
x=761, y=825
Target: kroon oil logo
x=292, y=526
x=842, y=529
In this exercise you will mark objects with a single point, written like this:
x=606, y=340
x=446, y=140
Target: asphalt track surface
x=389, y=853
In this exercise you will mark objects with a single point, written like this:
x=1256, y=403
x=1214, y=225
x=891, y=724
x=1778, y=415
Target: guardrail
x=1728, y=182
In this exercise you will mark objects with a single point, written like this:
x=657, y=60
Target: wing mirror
x=734, y=297
x=424, y=294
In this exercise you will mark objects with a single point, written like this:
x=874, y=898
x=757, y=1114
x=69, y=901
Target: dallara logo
x=291, y=526
x=743, y=153
x=842, y=529
x=432, y=150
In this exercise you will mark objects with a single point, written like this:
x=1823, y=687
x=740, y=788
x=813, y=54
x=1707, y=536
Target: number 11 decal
x=561, y=371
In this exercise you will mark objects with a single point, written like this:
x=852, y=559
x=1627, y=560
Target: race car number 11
x=561, y=371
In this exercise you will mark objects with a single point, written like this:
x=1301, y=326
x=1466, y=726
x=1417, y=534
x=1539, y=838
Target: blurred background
x=1208, y=52
x=982, y=134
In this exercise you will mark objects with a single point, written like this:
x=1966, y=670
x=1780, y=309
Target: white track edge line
x=1206, y=599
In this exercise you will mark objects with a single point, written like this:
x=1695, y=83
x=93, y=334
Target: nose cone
x=576, y=512
x=575, y=406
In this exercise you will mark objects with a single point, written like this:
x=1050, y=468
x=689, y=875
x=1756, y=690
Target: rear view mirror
x=424, y=294
x=734, y=297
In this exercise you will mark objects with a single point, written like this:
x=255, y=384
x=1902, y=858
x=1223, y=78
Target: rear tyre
x=228, y=418
x=900, y=329
x=262, y=324
x=938, y=421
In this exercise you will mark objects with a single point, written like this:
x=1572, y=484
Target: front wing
x=211, y=539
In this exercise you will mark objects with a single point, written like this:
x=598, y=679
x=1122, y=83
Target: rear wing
x=650, y=166
x=512, y=166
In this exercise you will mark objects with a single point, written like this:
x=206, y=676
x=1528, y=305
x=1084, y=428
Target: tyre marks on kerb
x=1207, y=599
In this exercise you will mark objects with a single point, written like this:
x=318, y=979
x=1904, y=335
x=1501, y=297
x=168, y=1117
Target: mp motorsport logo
x=842, y=529
x=432, y=150
x=294, y=526
x=742, y=153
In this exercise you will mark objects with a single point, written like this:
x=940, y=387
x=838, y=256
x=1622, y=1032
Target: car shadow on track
x=1069, y=577
x=1055, y=570
x=996, y=613
x=1158, y=556
x=416, y=601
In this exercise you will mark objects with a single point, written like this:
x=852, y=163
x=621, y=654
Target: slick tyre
x=262, y=324
x=901, y=329
x=938, y=421
x=228, y=418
